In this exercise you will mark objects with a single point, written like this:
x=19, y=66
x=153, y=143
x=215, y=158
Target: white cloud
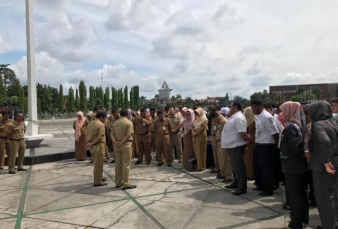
x=4, y=47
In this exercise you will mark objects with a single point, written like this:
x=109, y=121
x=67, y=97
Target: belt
x=127, y=140
x=4, y=137
x=163, y=134
x=144, y=133
x=17, y=139
x=264, y=144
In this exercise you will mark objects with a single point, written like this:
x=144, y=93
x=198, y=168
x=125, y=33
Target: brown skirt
x=188, y=148
x=80, y=149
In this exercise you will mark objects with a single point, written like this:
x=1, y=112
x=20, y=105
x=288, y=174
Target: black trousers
x=264, y=161
x=236, y=158
x=296, y=187
x=311, y=189
x=277, y=169
x=326, y=187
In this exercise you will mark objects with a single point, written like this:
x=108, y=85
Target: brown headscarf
x=78, y=125
x=201, y=118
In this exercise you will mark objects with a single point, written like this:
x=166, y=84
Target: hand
x=307, y=155
x=117, y=144
x=329, y=168
x=89, y=145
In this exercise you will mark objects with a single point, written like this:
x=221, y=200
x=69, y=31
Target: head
x=190, y=114
x=248, y=113
x=5, y=115
x=96, y=109
x=320, y=110
x=14, y=106
x=101, y=115
x=199, y=112
x=115, y=113
x=291, y=111
x=212, y=110
x=79, y=115
x=2, y=108
x=335, y=106
x=268, y=108
x=257, y=106
x=152, y=112
x=224, y=111
x=166, y=109
x=171, y=111
x=160, y=115
x=235, y=107
x=19, y=116
x=143, y=112
x=124, y=113
x=216, y=117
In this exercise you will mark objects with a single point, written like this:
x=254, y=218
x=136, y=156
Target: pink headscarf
x=292, y=112
x=78, y=125
x=188, y=121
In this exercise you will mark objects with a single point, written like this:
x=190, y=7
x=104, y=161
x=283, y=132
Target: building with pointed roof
x=164, y=92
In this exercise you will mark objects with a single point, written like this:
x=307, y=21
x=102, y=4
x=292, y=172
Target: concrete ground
x=61, y=195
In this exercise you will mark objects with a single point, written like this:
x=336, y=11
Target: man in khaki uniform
x=16, y=137
x=143, y=136
x=5, y=122
x=153, y=132
x=97, y=143
x=222, y=155
x=122, y=137
x=163, y=128
x=2, y=108
x=115, y=115
x=175, y=134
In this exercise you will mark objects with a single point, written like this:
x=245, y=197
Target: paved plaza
x=61, y=195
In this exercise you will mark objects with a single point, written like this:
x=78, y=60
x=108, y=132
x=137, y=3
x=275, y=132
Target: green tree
x=262, y=96
x=115, y=99
x=136, y=90
x=47, y=101
x=77, y=100
x=125, y=97
x=241, y=100
x=70, y=103
x=83, y=96
x=3, y=96
x=21, y=102
x=131, y=96
x=60, y=98
x=120, y=98
x=99, y=96
x=296, y=98
x=8, y=78
x=106, y=99
x=317, y=91
x=91, y=96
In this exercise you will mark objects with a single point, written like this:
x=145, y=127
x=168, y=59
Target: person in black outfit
x=294, y=163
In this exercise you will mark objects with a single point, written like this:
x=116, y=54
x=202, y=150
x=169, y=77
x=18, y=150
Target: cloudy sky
x=201, y=48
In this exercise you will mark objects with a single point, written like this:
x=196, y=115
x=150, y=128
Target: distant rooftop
x=165, y=86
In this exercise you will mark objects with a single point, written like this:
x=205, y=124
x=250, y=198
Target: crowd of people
x=293, y=144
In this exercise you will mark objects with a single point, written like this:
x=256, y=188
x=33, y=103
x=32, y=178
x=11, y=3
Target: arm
x=324, y=142
x=201, y=129
x=276, y=138
x=146, y=121
x=130, y=132
x=101, y=133
x=180, y=121
x=292, y=137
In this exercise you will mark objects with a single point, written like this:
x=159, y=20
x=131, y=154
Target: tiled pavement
x=61, y=195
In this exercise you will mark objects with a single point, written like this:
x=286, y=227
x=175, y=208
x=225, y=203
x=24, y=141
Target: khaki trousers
x=224, y=163
x=4, y=149
x=215, y=153
x=200, y=150
x=17, y=148
x=122, y=164
x=143, y=145
x=175, y=141
x=98, y=152
x=153, y=141
x=162, y=148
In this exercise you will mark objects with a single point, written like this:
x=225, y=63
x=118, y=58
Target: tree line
x=51, y=100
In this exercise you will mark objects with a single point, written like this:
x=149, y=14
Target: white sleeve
x=270, y=125
x=240, y=124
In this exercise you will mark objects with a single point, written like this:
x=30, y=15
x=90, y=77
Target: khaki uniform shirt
x=17, y=130
x=94, y=129
x=140, y=127
x=219, y=128
x=175, y=121
x=162, y=127
x=153, y=119
x=4, y=126
x=121, y=128
x=213, y=128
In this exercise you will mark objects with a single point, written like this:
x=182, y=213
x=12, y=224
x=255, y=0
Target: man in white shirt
x=267, y=138
x=278, y=162
x=234, y=138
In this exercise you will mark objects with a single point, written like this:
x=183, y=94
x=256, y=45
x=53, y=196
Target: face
x=79, y=117
x=152, y=113
x=102, y=119
x=217, y=118
x=19, y=117
x=160, y=117
x=187, y=114
x=197, y=114
x=171, y=111
x=116, y=114
x=144, y=114
x=256, y=109
x=233, y=110
x=334, y=107
x=5, y=117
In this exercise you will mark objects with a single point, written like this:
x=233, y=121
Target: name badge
x=164, y=127
x=144, y=124
x=215, y=127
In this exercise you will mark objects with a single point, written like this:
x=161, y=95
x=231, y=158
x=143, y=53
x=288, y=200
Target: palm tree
x=317, y=91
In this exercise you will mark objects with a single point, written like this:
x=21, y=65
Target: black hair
x=152, y=109
x=101, y=114
x=214, y=115
x=113, y=110
x=335, y=101
x=5, y=113
x=237, y=104
x=256, y=102
x=159, y=112
x=267, y=106
x=95, y=109
x=143, y=110
x=124, y=112
x=212, y=110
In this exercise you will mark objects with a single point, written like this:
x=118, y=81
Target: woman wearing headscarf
x=324, y=161
x=294, y=163
x=188, y=149
x=80, y=127
x=248, y=153
x=199, y=134
x=89, y=116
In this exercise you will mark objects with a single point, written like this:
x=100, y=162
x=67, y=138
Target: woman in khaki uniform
x=188, y=149
x=248, y=153
x=199, y=134
x=80, y=126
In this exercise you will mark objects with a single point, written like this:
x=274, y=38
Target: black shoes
x=148, y=163
x=312, y=203
x=169, y=165
x=232, y=186
x=118, y=186
x=227, y=180
x=238, y=192
x=286, y=207
x=130, y=187
x=98, y=185
x=22, y=169
x=160, y=164
x=266, y=193
x=138, y=162
x=219, y=176
x=113, y=161
x=257, y=189
x=104, y=179
x=12, y=172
